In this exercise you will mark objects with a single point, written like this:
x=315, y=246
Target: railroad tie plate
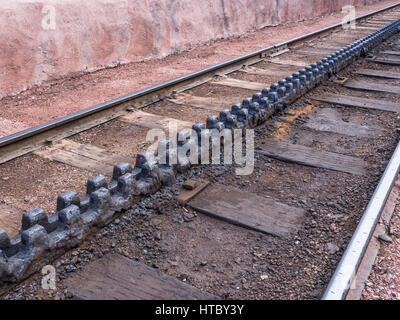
x=316, y=51
x=289, y=152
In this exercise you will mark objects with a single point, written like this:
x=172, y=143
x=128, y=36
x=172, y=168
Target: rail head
x=344, y=275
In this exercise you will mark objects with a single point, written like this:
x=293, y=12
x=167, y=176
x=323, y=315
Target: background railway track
x=348, y=140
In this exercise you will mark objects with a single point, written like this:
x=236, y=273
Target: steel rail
x=27, y=133
x=345, y=272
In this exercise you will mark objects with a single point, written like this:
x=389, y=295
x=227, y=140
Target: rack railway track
x=323, y=137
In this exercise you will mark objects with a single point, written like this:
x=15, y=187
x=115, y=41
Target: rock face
x=45, y=40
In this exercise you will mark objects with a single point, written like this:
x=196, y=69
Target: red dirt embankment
x=47, y=40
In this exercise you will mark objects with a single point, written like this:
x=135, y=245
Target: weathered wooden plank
x=54, y=153
x=352, y=34
x=248, y=210
x=92, y=152
x=375, y=24
x=314, y=51
x=215, y=104
x=378, y=73
x=386, y=18
x=350, y=101
x=315, y=47
x=265, y=72
x=366, y=28
x=84, y=156
x=114, y=277
x=289, y=62
x=393, y=53
x=382, y=20
x=338, y=43
x=153, y=121
x=392, y=62
x=372, y=86
x=278, y=53
x=359, y=33
x=330, y=48
x=341, y=127
x=312, y=157
x=235, y=83
x=381, y=23
x=389, y=15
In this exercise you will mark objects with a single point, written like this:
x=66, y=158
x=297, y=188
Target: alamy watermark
x=49, y=278
x=349, y=20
